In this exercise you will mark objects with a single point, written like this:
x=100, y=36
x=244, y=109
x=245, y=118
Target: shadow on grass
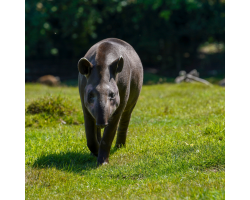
x=69, y=161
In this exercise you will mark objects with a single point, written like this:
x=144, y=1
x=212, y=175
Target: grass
x=175, y=146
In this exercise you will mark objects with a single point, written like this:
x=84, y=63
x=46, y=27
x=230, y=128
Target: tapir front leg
x=92, y=134
x=107, y=139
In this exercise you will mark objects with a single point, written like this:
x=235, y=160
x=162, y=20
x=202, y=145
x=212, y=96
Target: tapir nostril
x=101, y=125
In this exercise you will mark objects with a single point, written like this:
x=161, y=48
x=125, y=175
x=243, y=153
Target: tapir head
x=101, y=94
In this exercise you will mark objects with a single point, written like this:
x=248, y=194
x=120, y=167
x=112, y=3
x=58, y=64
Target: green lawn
x=175, y=146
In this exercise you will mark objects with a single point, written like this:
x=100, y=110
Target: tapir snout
x=102, y=115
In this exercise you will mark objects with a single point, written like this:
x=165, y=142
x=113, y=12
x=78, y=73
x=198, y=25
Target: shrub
x=52, y=105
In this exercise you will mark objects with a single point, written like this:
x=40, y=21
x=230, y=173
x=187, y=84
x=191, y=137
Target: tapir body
x=110, y=81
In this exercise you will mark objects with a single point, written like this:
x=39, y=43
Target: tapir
x=110, y=80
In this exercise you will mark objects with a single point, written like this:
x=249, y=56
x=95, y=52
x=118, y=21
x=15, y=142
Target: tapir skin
x=110, y=81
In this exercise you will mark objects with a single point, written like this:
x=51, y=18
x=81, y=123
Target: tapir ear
x=117, y=65
x=84, y=66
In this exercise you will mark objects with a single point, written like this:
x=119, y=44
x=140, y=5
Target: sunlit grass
x=175, y=148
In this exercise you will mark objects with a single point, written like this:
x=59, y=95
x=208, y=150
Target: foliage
x=51, y=109
x=166, y=34
x=50, y=105
x=175, y=149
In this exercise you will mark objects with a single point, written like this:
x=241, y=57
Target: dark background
x=169, y=36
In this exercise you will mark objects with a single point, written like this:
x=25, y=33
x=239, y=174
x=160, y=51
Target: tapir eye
x=91, y=97
x=111, y=95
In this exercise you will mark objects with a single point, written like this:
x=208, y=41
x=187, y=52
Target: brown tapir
x=110, y=81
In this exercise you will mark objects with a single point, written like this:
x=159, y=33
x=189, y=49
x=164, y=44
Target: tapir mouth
x=101, y=125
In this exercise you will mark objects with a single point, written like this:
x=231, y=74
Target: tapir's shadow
x=68, y=161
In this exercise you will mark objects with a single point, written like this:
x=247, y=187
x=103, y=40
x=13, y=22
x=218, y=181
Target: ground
x=175, y=146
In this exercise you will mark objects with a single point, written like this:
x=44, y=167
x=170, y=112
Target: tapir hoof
x=104, y=163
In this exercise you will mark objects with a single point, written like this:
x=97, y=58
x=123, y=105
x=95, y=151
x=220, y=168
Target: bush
x=50, y=105
x=51, y=110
